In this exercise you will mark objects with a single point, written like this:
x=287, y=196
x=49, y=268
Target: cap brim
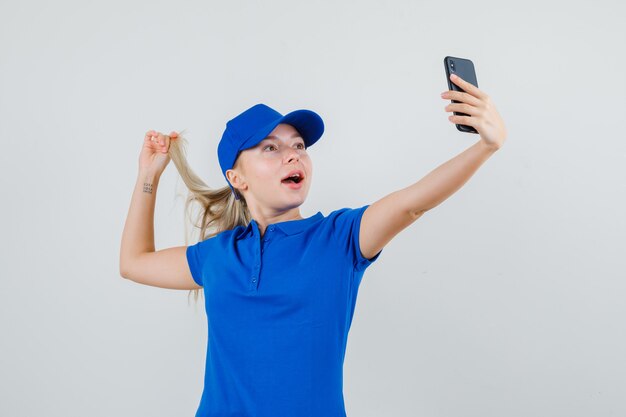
x=308, y=123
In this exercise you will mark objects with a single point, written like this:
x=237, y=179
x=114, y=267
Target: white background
x=505, y=300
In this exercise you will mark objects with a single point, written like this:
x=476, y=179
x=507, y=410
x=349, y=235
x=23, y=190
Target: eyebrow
x=295, y=135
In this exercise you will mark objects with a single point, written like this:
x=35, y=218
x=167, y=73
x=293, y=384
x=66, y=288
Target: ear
x=236, y=180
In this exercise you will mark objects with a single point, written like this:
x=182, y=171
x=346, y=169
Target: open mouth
x=293, y=180
x=294, y=177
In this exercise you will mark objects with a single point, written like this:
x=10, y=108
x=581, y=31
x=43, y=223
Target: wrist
x=148, y=176
x=487, y=147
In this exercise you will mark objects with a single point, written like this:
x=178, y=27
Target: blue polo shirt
x=279, y=309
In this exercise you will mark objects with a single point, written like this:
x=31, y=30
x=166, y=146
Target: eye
x=301, y=144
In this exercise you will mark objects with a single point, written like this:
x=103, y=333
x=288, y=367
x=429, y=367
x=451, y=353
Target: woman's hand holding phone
x=483, y=115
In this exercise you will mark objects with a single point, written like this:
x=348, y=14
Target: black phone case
x=464, y=68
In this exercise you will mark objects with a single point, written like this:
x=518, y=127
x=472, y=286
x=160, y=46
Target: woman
x=280, y=289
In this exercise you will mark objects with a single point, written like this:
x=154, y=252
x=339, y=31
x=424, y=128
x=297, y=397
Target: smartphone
x=464, y=68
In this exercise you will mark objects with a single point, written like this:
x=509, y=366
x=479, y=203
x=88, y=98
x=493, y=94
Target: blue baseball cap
x=255, y=124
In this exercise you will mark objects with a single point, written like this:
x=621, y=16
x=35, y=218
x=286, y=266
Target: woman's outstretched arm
x=388, y=216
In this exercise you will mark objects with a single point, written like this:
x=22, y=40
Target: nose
x=293, y=156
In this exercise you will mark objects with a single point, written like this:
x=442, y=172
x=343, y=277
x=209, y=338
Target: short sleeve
x=196, y=257
x=346, y=225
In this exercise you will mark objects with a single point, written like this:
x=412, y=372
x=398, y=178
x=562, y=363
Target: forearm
x=446, y=179
x=138, y=234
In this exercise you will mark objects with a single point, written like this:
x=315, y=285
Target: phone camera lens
x=452, y=64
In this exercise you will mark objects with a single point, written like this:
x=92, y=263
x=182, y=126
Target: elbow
x=416, y=214
x=123, y=271
x=126, y=266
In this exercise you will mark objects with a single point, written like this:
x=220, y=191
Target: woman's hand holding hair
x=154, y=155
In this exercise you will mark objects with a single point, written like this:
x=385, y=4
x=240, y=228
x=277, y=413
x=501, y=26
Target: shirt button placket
x=266, y=237
x=255, y=274
x=257, y=266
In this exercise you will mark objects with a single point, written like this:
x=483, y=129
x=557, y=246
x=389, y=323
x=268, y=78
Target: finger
x=467, y=86
x=150, y=135
x=164, y=142
x=173, y=134
x=462, y=97
x=153, y=136
x=464, y=120
x=462, y=108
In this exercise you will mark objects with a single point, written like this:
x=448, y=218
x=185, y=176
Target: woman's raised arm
x=139, y=262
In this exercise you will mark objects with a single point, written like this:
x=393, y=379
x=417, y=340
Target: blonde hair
x=219, y=210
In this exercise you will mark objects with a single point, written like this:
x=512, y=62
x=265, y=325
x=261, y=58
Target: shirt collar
x=289, y=227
